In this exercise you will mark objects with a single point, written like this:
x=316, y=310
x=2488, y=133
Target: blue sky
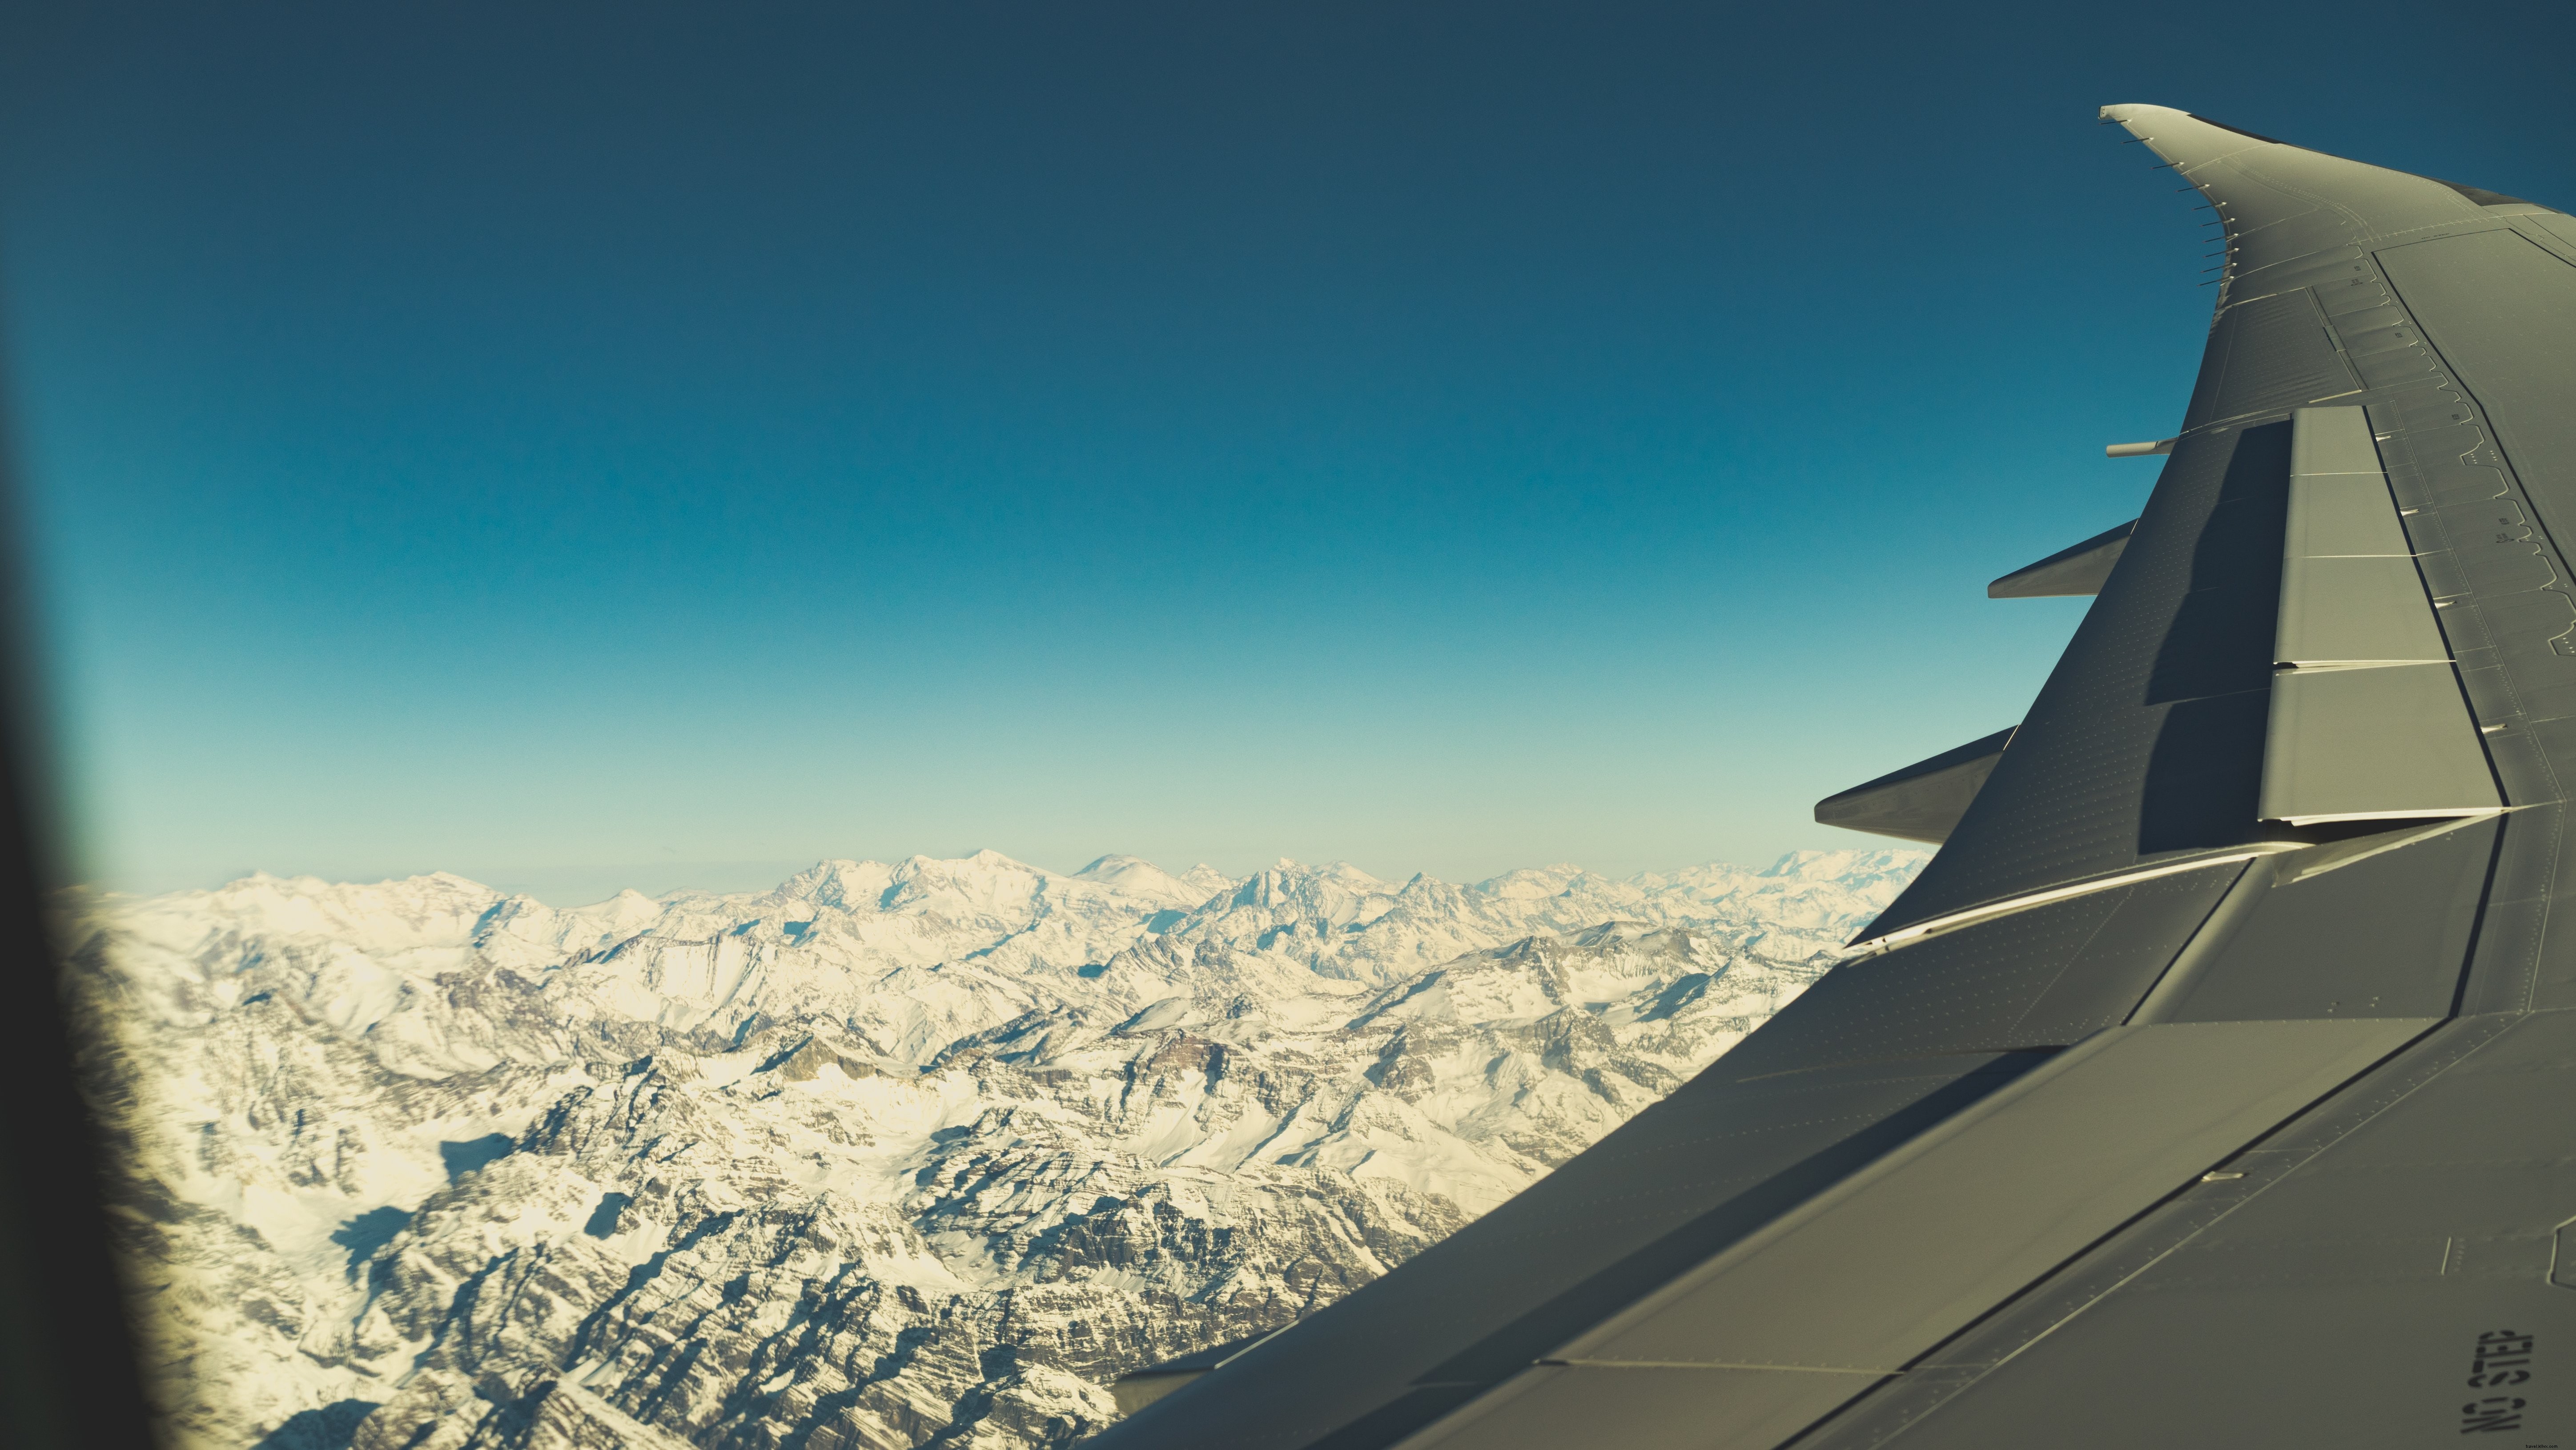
x=658, y=445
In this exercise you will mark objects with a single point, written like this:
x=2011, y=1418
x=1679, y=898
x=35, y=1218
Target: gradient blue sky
x=580, y=446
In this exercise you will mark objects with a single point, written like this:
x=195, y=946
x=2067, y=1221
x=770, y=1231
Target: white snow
x=1099, y=1117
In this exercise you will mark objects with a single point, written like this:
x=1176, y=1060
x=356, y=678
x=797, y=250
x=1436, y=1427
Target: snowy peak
x=1134, y=876
x=1320, y=896
x=840, y=885
x=986, y=884
x=1532, y=883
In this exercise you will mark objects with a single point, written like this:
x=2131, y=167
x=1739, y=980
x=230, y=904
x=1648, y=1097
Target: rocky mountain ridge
x=894, y=1154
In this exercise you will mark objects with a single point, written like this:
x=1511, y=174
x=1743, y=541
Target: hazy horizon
x=577, y=886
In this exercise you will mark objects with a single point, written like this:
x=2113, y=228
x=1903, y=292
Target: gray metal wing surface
x=2215, y=1084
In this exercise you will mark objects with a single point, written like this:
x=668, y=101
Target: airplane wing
x=2215, y=1084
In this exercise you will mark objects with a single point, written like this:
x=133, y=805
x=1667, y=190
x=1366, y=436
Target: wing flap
x=1646, y=1407
x=2378, y=1274
x=2339, y=613
x=2349, y=592
x=2390, y=743
x=1900, y=1258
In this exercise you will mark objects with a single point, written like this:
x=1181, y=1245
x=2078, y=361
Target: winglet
x=2198, y=137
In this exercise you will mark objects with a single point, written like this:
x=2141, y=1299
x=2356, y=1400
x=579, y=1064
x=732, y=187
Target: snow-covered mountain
x=891, y=1155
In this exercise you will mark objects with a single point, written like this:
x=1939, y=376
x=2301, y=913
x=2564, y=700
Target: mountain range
x=892, y=1155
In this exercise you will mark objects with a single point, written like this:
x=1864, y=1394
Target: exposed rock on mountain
x=888, y=1156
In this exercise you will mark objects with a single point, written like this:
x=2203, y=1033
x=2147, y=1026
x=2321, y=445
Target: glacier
x=895, y=1154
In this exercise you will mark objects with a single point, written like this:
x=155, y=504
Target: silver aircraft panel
x=1896, y=1260
x=2390, y=743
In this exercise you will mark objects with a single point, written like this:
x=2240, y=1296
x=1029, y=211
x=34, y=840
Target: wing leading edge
x=2207, y=1085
